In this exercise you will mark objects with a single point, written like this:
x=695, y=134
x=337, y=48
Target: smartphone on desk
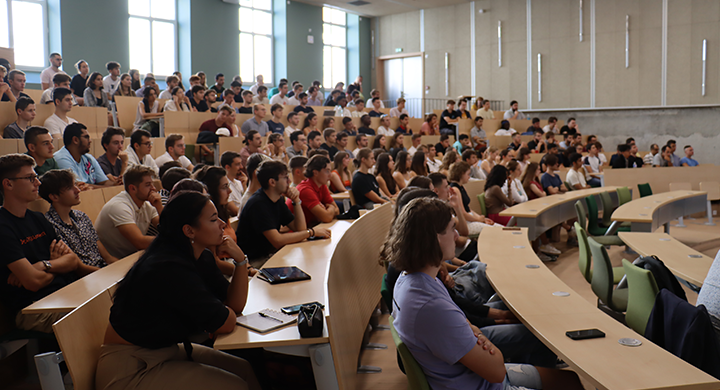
x=296, y=308
x=585, y=334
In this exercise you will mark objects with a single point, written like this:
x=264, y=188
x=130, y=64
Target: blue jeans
x=594, y=182
x=521, y=376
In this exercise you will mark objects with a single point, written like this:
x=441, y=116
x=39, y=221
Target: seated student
x=139, y=150
x=688, y=161
x=402, y=172
x=537, y=145
x=275, y=148
x=317, y=204
x=76, y=157
x=208, y=129
x=72, y=226
x=177, y=101
x=57, y=122
x=123, y=222
x=177, y=286
x=340, y=177
x=265, y=212
x=310, y=123
x=459, y=176
x=238, y=90
x=197, y=98
x=262, y=96
x=297, y=169
x=487, y=164
x=576, y=174
x=361, y=141
x=148, y=111
x=662, y=159
x=552, y=149
x=148, y=82
x=171, y=82
x=430, y=126
x=550, y=180
x=341, y=142
x=505, y=129
x=114, y=161
x=349, y=126
x=170, y=174
x=448, y=159
x=398, y=144
x=175, y=151
x=623, y=159
x=228, y=99
x=471, y=157
x=303, y=104
x=384, y=168
x=516, y=143
x=365, y=187
x=256, y=122
x=449, y=119
x=40, y=147
x=462, y=142
x=16, y=82
x=25, y=110
x=298, y=145
x=293, y=120
x=34, y=262
x=505, y=157
x=485, y=112
x=377, y=104
x=418, y=164
x=359, y=108
x=404, y=124
x=570, y=127
x=94, y=95
x=384, y=128
x=441, y=146
x=60, y=80
x=416, y=140
x=247, y=105
x=495, y=199
x=422, y=307
x=534, y=127
x=462, y=112
x=329, y=144
x=275, y=124
x=232, y=162
x=648, y=159
x=515, y=190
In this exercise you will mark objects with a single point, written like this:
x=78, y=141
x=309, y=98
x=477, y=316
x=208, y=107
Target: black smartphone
x=585, y=334
x=289, y=310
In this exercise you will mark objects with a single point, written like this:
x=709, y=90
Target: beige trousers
x=41, y=322
x=133, y=367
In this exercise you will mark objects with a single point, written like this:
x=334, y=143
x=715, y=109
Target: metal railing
x=419, y=107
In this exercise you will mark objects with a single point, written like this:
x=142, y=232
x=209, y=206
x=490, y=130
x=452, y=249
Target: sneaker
x=572, y=242
x=545, y=258
x=550, y=250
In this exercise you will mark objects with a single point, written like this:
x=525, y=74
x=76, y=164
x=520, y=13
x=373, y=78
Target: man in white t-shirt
x=123, y=222
x=361, y=140
x=430, y=158
x=293, y=120
x=111, y=82
x=576, y=174
x=513, y=112
x=395, y=112
x=57, y=122
x=59, y=80
x=505, y=129
x=139, y=150
x=294, y=100
x=375, y=94
x=592, y=161
x=281, y=96
x=259, y=83
x=174, y=151
x=171, y=81
x=48, y=73
x=232, y=162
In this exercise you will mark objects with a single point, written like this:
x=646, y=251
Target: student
x=310, y=123
x=94, y=95
x=416, y=142
x=253, y=162
x=228, y=99
x=516, y=189
x=25, y=110
x=462, y=142
x=135, y=79
x=341, y=109
x=34, y=261
x=404, y=125
x=188, y=295
x=459, y=176
x=361, y=141
x=57, y=122
x=298, y=145
x=550, y=180
x=471, y=157
x=317, y=204
x=47, y=74
x=623, y=158
x=265, y=212
x=516, y=143
x=40, y=147
x=384, y=168
x=552, y=150
x=648, y=159
x=76, y=157
x=576, y=174
x=177, y=101
x=148, y=82
x=364, y=185
x=72, y=226
x=329, y=144
x=505, y=129
x=148, y=109
x=170, y=83
x=485, y=112
x=16, y=81
x=379, y=142
x=340, y=177
x=537, y=145
x=513, y=112
x=124, y=87
x=237, y=180
x=430, y=157
x=124, y=221
x=114, y=161
x=275, y=148
x=256, y=122
x=384, y=128
x=314, y=140
x=293, y=120
x=495, y=199
x=219, y=84
x=247, y=103
x=570, y=128
x=663, y=159
x=275, y=124
x=349, y=126
x=359, y=108
x=333, y=98
x=534, y=127
x=441, y=147
x=688, y=161
x=210, y=97
x=111, y=82
x=79, y=81
x=395, y=112
x=523, y=157
x=280, y=97
x=398, y=144
x=294, y=95
x=430, y=126
x=489, y=162
x=402, y=172
x=418, y=165
x=314, y=98
x=175, y=151
x=376, y=104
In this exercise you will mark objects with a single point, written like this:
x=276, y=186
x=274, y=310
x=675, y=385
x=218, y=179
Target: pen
x=269, y=317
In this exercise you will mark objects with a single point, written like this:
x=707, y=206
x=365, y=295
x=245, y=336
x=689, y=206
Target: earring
x=192, y=241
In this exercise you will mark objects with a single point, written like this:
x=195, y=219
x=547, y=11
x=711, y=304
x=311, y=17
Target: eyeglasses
x=30, y=178
x=147, y=143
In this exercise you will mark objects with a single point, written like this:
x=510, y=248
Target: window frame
x=45, y=35
x=271, y=36
x=152, y=19
x=332, y=24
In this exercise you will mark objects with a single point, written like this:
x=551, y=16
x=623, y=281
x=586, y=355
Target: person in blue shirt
x=688, y=161
x=74, y=156
x=275, y=123
x=463, y=141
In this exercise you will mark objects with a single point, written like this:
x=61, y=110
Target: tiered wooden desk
x=649, y=213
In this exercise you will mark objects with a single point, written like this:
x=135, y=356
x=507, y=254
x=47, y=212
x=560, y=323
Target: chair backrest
x=680, y=186
x=580, y=212
x=642, y=290
x=644, y=190
x=568, y=186
x=624, y=195
x=602, y=278
x=584, y=260
x=592, y=212
x=80, y=335
x=607, y=204
x=415, y=375
x=40, y=205
x=91, y=203
x=481, y=200
x=110, y=192
x=712, y=188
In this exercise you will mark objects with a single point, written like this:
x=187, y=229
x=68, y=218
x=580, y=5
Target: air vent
x=358, y=3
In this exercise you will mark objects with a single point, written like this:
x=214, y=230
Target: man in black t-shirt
x=329, y=144
x=448, y=119
x=260, y=220
x=34, y=262
x=442, y=145
x=365, y=187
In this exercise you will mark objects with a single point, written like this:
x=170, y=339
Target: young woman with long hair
x=488, y=162
x=495, y=200
x=458, y=177
x=418, y=164
x=402, y=172
x=310, y=123
x=383, y=174
x=340, y=177
x=379, y=142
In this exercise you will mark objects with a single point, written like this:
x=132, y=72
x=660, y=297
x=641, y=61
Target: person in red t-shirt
x=317, y=203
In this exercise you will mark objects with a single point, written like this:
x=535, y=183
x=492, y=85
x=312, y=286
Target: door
x=404, y=78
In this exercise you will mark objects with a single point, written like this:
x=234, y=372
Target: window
x=153, y=42
x=334, y=47
x=256, y=40
x=28, y=34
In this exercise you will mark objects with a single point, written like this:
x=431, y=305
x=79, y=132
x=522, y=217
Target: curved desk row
x=649, y=213
x=542, y=214
x=527, y=286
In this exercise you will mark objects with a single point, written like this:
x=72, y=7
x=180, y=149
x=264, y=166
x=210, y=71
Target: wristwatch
x=241, y=263
x=47, y=265
x=298, y=203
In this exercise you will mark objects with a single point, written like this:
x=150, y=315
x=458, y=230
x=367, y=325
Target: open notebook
x=265, y=320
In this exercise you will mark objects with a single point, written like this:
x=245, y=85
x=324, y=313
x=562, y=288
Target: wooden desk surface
x=312, y=257
x=535, y=207
x=604, y=362
x=75, y=294
x=341, y=195
x=642, y=210
x=672, y=252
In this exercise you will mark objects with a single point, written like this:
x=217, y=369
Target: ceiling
x=384, y=7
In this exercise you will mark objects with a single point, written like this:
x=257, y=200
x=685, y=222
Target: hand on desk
x=322, y=232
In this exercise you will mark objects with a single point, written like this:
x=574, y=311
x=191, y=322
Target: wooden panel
x=8, y=146
x=91, y=202
x=475, y=188
x=533, y=208
x=7, y=114
x=660, y=177
x=353, y=289
x=40, y=205
x=126, y=107
x=643, y=210
x=234, y=144
x=34, y=94
x=712, y=188
x=109, y=192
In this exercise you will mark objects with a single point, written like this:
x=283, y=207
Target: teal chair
x=644, y=190
x=386, y=293
x=585, y=258
x=642, y=291
x=602, y=279
x=608, y=209
x=624, y=195
x=582, y=219
x=415, y=375
x=594, y=227
x=481, y=200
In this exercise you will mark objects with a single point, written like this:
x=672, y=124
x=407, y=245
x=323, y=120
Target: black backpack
x=663, y=277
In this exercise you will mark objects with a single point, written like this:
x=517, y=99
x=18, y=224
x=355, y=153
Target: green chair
x=594, y=227
x=602, y=279
x=569, y=187
x=415, y=375
x=604, y=240
x=481, y=200
x=585, y=259
x=641, y=296
x=386, y=293
x=608, y=209
x=645, y=190
x=624, y=195
x=190, y=153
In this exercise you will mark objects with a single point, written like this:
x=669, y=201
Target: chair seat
x=618, y=274
x=599, y=231
x=608, y=240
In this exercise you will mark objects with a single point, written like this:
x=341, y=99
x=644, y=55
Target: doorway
x=403, y=76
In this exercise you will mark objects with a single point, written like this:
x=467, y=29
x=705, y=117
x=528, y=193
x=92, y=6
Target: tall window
x=153, y=42
x=256, y=46
x=334, y=47
x=28, y=35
